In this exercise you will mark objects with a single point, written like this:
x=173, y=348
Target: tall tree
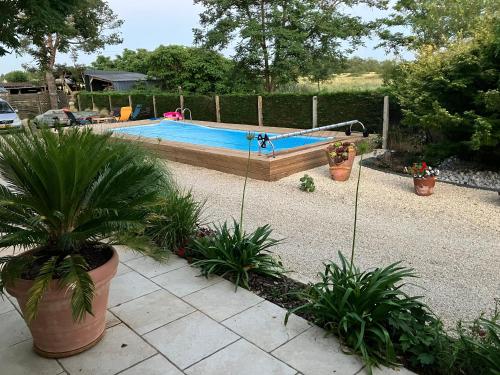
x=279, y=40
x=88, y=25
x=434, y=23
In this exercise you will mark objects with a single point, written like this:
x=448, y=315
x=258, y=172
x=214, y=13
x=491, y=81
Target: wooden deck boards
x=262, y=167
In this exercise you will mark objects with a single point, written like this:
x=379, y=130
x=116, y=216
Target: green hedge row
x=281, y=110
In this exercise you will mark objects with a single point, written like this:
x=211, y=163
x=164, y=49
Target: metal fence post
x=110, y=104
x=385, y=123
x=259, y=111
x=315, y=112
x=130, y=101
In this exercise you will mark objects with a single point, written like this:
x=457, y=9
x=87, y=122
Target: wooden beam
x=259, y=111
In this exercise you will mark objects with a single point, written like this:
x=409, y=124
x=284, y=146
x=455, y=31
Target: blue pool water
x=201, y=135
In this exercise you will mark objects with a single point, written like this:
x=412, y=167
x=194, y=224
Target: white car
x=8, y=116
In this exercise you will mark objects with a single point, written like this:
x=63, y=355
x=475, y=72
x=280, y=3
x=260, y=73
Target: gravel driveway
x=452, y=239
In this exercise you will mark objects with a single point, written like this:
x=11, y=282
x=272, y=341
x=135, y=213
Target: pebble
x=458, y=172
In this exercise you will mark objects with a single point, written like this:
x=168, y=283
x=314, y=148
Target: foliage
x=278, y=41
x=307, y=184
x=194, y=69
x=364, y=308
x=174, y=219
x=66, y=192
x=421, y=170
x=477, y=348
x=451, y=96
x=338, y=152
x=435, y=23
x=24, y=16
x=16, y=76
x=236, y=254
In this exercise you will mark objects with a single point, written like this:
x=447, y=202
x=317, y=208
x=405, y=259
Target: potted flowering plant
x=340, y=158
x=424, y=178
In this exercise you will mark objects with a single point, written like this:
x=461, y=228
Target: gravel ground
x=452, y=238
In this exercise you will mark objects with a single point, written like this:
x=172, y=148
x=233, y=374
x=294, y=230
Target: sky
x=149, y=23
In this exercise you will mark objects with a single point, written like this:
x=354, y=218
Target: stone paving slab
x=176, y=323
x=221, y=301
x=263, y=325
x=184, y=281
x=152, y=311
x=190, y=339
x=119, y=349
x=241, y=358
x=313, y=353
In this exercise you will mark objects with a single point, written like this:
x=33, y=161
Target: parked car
x=8, y=115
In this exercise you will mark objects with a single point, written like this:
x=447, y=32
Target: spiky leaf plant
x=63, y=194
x=234, y=253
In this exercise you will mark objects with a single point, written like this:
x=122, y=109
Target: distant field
x=339, y=82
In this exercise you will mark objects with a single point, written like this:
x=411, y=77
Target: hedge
x=280, y=110
x=239, y=109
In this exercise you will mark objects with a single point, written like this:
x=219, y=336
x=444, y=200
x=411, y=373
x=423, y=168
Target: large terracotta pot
x=340, y=172
x=55, y=333
x=424, y=186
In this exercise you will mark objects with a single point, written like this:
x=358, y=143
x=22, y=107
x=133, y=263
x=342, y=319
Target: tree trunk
x=267, y=71
x=51, y=45
x=51, y=86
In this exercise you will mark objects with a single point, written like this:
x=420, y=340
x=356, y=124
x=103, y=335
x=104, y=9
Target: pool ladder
x=183, y=113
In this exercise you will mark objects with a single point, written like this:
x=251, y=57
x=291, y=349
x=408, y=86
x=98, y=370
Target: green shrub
x=236, y=254
x=366, y=309
x=452, y=95
x=174, y=219
x=307, y=183
x=69, y=194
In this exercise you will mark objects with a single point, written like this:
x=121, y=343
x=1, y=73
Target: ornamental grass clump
x=233, y=253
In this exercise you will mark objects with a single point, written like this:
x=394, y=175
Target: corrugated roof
x=116, y=76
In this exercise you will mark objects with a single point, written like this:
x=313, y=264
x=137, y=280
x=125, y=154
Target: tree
x=279, y=40
x=453, y=95
x=435, y=23
x=27, y=17
x=16, y=76
x=87, y=25
x=196, y=70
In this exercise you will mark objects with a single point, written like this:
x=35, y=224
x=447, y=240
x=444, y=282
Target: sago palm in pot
x=66, y=198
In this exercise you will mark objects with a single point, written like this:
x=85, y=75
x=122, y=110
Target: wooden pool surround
x=262, y=167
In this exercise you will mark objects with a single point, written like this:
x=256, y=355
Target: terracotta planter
x=424, y=186
x=340, y=172
x=55, y=333
x=352, y=155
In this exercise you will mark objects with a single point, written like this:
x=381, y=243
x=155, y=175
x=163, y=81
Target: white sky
x=149, y=23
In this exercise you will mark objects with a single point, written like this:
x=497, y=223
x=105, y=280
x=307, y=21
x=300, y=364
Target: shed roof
x=116, y=76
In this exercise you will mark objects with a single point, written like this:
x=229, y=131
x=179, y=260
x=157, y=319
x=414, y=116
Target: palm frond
x=40, y=286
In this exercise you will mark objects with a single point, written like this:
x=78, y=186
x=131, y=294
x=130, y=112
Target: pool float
x=173, y=116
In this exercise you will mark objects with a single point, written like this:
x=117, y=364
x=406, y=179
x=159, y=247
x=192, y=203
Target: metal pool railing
x=263, y=139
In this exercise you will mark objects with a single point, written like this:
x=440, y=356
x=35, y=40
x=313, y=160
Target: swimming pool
x=215, y=137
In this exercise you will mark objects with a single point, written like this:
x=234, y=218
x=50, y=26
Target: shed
x=99, y=80
x=21, y=87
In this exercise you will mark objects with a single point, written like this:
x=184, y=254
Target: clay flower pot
x=424, y=186
x=352, y=155
x=55, y=333
x=340, y=172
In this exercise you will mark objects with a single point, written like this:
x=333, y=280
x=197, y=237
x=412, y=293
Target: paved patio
x=163, y=319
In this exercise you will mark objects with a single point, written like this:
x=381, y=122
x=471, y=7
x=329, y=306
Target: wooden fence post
x=181, y=102
x=130, y=101
x=259, y=111
x=38, y=103
x=79, y=105
x=217, y=107
x=93, y=104
x=110, y=104
x=315, y=112
x=385, y=123
x=154, y=106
